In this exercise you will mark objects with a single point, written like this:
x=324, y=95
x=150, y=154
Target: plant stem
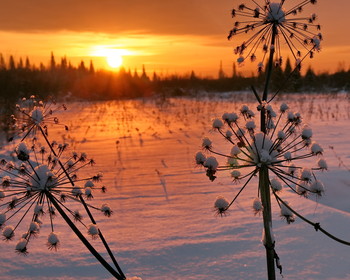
x=264, y=182
x=82, y=238
x=102, y=238
x=122, y=276
x=268, y=76
x=266, y=202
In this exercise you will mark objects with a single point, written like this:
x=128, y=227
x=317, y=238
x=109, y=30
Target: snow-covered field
x=164, y=226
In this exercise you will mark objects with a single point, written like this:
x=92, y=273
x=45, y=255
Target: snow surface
x=164, y=225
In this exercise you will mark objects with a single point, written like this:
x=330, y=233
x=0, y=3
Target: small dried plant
x=41, y=178
x=274, y=151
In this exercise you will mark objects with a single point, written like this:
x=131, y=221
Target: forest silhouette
x=61, y=80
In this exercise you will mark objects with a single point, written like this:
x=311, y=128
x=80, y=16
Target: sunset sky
x=166, y=36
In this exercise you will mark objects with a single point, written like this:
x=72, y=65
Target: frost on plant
x=40, y=179
x=282, y=149
x=33, y=116
x=29, y=184
x=273, y=26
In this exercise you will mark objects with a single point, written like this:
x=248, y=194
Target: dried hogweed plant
x=274, y=152
x=39, y=181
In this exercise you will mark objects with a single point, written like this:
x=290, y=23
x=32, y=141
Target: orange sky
x=166, y=36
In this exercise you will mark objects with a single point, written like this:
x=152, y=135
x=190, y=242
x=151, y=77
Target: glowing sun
x=114, y=59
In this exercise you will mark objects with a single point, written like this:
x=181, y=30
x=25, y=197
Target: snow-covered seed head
x=276, y=184
x=244, y=109
x=316, y=149
x=53, y=241
x=283, y=108
x=257, y=206
x=235, y=150
x=316, y=42
x=281, y=135
x=37, y=115
x=235, y=174
x=21, y=246
x=232, y=162
x=88, y=193
x=8, y=232
x=76, y=191
x=286, y=213
x=34, y=228
x=200, y=158
x=275, y=13
x=22, y=151
x=317, y=187
x=106, y=210
x=47, y=179
x=220, y=205
x=322, y=164
x=93, y=231
x=306, y=175
x=206, y=143
x=290, y=117
x=240, y=60
x=230, y=117
x=260, y=151
x=306, y=133
x=250, y=126
x=211, y=163
x=89, y=184
x=218, y=124
x=228, y=134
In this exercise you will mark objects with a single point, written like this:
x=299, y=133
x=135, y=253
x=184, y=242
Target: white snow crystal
x=250, y=125
x=235, y=174
x=206, y=143
x=37, y=115
x=306, y=175
x=93, y=230
x=211, y=163
x=284, y=107
x=322, y=164
x=276, y=184
x=275, y=13
x=218, y=124
x=221, y=203
x=317, y=187
x=306, y=133
x=257, y=205
x=8, y=232
x=235, y=150
x=316, y=149
x=200, y=158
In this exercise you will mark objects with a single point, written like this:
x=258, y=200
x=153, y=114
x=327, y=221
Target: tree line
x=61, y=79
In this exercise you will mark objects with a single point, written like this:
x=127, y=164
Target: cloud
x=111, y=16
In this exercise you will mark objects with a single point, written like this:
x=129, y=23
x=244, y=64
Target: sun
x=114, y=59
x=112, y=56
